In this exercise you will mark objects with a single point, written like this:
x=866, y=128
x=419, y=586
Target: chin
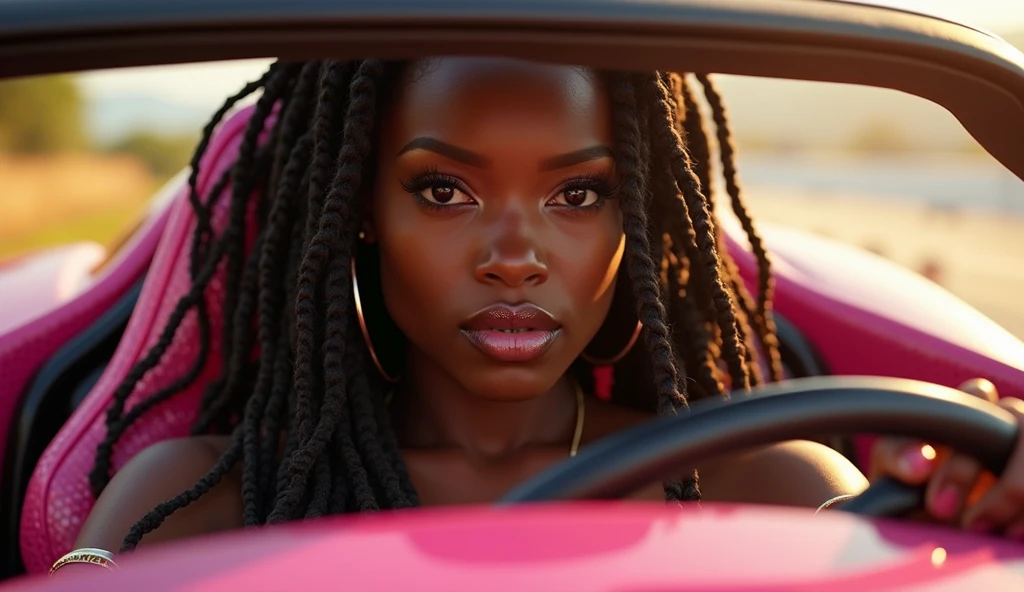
x=513, y=384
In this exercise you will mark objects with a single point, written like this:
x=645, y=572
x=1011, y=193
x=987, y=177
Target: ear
x=368, y=233
x=369, y=227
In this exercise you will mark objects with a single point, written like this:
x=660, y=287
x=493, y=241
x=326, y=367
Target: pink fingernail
x=916, y=462
x=947, y=502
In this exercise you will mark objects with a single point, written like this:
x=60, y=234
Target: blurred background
x=81, y=155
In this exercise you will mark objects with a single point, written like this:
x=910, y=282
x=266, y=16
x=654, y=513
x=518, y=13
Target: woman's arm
x=158, y=474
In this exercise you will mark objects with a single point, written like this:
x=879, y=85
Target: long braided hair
x=297, y=392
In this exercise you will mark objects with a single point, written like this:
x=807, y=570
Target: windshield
x=887, y=172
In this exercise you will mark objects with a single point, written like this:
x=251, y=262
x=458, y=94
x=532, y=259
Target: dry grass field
x=50, y=200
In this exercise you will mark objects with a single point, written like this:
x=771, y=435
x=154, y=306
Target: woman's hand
x=959, y=492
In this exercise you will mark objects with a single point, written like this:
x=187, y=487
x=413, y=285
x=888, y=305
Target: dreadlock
x=303, y=404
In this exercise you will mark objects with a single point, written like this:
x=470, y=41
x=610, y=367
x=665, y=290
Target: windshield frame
x=977, y=77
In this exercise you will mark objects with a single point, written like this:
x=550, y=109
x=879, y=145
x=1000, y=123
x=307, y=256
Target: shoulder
x=793, y=473
x=196, y=448
x=171, y=462
x=158, y=474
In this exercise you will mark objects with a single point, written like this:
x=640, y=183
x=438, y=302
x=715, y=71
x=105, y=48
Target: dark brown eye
x=575, y=197
x=442, y=193
x=433, y=189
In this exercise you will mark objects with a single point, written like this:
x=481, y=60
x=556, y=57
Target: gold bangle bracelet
x=98, y=557
x=836, y=500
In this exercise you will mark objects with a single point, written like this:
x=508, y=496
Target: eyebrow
x=481, y=162
x=578, y=157
x=447, y=150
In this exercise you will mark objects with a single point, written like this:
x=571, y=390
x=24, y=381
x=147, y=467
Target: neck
x=433, y=410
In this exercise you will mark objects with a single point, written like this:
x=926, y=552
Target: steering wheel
x=795, y=409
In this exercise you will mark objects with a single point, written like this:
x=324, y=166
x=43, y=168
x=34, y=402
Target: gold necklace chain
x=581, y=409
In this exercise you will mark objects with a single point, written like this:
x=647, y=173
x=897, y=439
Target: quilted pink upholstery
x=58, y=498
x=35, y=328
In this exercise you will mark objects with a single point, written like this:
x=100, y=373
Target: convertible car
x=869, y=348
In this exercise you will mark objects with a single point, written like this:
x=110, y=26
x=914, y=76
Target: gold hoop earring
x=617, y=357
x=363, y=328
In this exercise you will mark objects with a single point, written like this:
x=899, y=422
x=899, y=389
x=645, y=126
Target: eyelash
x=429, y=178
x=599, y=183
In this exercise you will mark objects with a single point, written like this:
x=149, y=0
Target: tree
x=42, y=114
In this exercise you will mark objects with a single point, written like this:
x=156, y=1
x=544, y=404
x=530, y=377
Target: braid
x=688, y=295
x=155, y=517
x=267, y=393
x=270, y=265
x=203, y=232
x=392, y=476
x=115, y=423
x=708, y=324
x=336, y=219
x=333, y=78
x=697, y=205
x=698, y=145
x=239, y=305
x=361, y=494
x=100, y=474
x=638, y=260
x=766, y=284
x=282, y=400
x=634, y=167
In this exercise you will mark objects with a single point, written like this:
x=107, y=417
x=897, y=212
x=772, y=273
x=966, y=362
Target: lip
x=507, y=333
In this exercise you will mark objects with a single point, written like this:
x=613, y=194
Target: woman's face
x=496, y=215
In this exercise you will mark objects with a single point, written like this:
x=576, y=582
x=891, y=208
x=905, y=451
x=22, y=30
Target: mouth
x=505, y=333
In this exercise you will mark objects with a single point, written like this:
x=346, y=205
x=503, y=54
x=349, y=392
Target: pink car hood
x=610, y=547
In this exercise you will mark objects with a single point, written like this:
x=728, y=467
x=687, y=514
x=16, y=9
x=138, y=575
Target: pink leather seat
x=823, y=295
x=49, y=298
x=58, y=498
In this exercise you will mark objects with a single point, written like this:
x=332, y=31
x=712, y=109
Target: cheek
x=420, y=269
x=589, y=269
x=416, y=277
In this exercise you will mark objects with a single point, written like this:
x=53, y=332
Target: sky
x=996, y=15
x=205, y=86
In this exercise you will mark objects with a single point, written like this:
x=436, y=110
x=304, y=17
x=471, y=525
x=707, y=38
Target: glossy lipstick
x=507, y=333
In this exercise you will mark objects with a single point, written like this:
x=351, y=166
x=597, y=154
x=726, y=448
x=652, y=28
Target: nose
x=512, y=256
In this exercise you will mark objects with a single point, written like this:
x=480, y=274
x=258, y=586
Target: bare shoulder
x=156, y=475
x=793, y=473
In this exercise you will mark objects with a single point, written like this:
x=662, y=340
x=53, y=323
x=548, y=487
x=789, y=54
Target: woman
x=445, y=251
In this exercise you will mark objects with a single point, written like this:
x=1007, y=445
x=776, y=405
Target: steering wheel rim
x=790, y=410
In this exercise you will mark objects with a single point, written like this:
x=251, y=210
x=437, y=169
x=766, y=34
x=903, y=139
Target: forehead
x=470, y=96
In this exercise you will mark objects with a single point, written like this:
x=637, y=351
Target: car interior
x=73, y=356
